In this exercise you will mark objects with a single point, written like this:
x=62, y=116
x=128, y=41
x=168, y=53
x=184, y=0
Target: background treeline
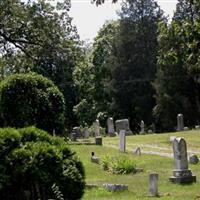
x=140, y=67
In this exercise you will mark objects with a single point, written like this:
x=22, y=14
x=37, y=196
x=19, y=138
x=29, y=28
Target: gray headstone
x=86, y=133
x=180, y=122
x=193, y=159
x=142, y=127
x=97, y=128
x=153, y=184
x=110, y=124
x=77, y=130
x=186, y=128
x=137, y=151
x=73, y=136
x=181, y=173
x=197, y=127
x=115, y=187
x=122, y=141
x=98, y=140
x=122, y=124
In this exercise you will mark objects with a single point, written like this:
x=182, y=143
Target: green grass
x=138, y=183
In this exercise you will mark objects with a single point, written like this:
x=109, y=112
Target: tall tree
x=177, y=83
x=135, y=54
x=37, y=36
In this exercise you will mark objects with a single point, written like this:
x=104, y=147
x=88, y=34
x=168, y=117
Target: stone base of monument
x=182, y=176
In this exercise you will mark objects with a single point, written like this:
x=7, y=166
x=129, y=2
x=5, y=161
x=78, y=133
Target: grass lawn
x=138, y=183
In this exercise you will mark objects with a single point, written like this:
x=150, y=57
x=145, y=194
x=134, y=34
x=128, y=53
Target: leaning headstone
x=142, y=127
x=181, y=173
x=137, y=151
x=122, y=124
x=153, y=184
x=193, y=159
x=111, y=129
x=122, y=140
x=180, y=122
x=97, y=128
x=98, y=140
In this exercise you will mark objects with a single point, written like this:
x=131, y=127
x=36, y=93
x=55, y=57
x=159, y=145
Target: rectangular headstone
x=153, y=184
x=110, y=124
x=122, y=124
x=122, y=141
x=97, y=128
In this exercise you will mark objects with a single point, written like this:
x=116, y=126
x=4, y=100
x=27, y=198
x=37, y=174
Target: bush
x=118, y=165
x=31, y=99
x=36, y=165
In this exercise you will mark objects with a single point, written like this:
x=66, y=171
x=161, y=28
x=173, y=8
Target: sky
x=89, y=18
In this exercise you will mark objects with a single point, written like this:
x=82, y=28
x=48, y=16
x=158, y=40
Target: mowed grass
x=138, y=183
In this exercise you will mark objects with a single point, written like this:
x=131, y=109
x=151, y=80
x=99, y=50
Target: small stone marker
x=186, y=128
x=94, y=158
x=142, y=127
x=122, y=140
x=98, y=140
x=115, y=187
x=111, y=129
x=171, y=139
x=193, y=159
x=180, y=122
x=137, y=151
x=197, y=127
x=97, y=128
x=122, y=124
x=153, y=184
x=181, y=174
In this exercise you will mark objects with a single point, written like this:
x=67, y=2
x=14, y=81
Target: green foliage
x=177, y=83
x=38, y=36
x=31, y=99
x=34, y=162
x=118, y=165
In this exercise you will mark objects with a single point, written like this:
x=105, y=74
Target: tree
x=31, y=99
x=135, y=53
x=37, y=36
x=177, y=82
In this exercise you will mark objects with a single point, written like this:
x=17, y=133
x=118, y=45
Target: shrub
x=31, y=99
x=38, y=165
x=118, y=165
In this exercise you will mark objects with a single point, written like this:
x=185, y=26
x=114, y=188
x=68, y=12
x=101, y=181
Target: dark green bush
x=31, y=99
x=32, y=163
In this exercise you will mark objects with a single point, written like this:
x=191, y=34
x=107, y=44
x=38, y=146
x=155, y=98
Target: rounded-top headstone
x=193, y=159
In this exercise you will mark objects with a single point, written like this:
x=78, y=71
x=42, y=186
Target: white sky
x=89, y=18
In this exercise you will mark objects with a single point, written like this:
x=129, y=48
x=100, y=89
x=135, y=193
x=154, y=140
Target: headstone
x=77, y=130
x=197, y=127
x=73, y=136
x=180, y=122
x=186, y=128
x=111, y=129
x=98, y=140
x=137, y=151
x=97, y=128
x=193, y=159
x=86, y=133
x=181, y=173
x=115, y=187
x=150, y=131
x=153, y=184
x=122, y=141
x=142, y=127
x=171, y=139
x=94, y=158
x=122, y=124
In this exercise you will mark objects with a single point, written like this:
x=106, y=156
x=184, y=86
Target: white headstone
x=122, y=140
